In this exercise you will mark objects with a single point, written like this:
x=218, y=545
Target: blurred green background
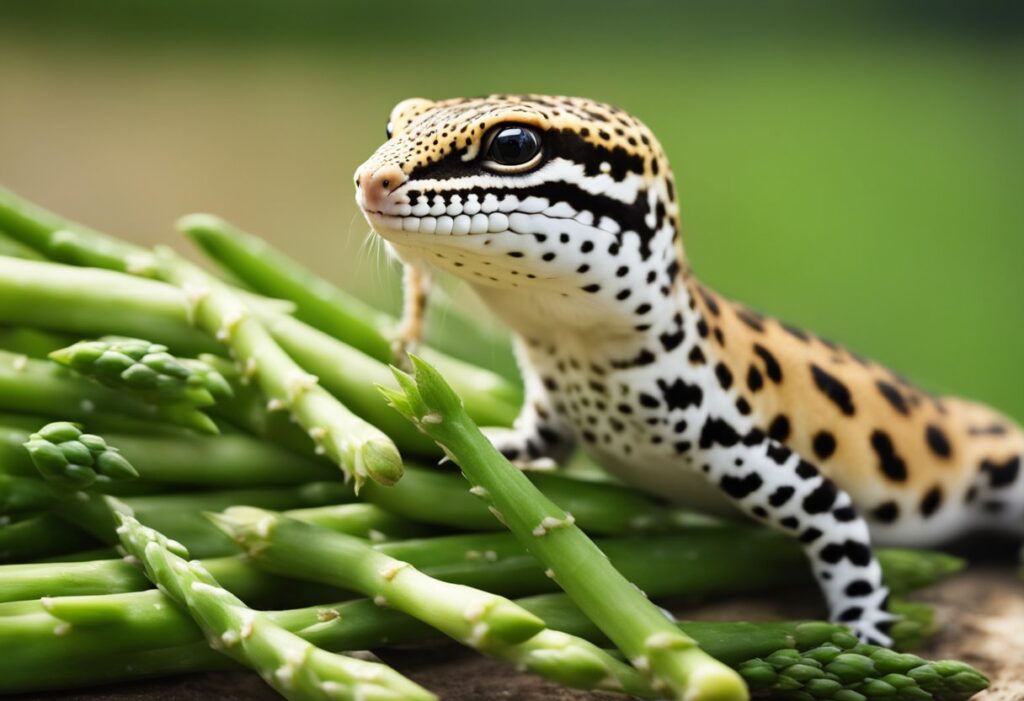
x=856, y=168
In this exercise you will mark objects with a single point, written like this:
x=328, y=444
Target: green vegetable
x=636, y=626
x=79, y=300
x=146, y=368
x=70, y=459
x=486, y=622
x=320, y=304
x=359, y=448
x=295, y=668
x=59, y=239
x=126, y=636
x=43, y=388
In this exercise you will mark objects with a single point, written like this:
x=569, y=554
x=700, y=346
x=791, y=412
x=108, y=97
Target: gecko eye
x=389, y=129
x=513, y=148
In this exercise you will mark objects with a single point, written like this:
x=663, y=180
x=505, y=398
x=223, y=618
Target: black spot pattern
x=835, y=390
x=821, y=499
x=680, y=395
x=932, y=501
x=781, y=495
x=754, y=379
x=771, y=365
x=724, y=375
x=886, y=512
x=824, y=444
x=740, y=487
x=937, y=441
x=1001, y=475
x=716, y=431
x=893, y=395
x=779, y=428
x=892, y=464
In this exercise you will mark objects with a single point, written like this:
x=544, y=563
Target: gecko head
x=562, y=196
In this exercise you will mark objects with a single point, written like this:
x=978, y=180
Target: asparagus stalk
x=46, y=389
x=14, y=249
x=270, y=271
x=79, y=300
x=359, y=448
x=59, y=239
x=146, y=368
x=71, y=459
x=292, y=666
x=284, y=546
x=636, y=626
x=484, y=621
x=83, y=521
x=186, y=459
x=126, y=636
x=659, y=565
x=32, y=342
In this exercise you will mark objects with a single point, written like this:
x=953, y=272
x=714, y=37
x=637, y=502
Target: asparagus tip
x=197, y=224
x=381, y=461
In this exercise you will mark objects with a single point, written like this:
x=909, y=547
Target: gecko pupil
x=514, y=146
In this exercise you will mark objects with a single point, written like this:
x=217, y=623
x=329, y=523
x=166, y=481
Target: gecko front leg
x=778, y=487
x=409, y=333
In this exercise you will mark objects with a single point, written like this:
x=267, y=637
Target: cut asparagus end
x=71, y=459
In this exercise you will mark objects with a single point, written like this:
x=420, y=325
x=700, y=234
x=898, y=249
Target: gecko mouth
x=444, y=225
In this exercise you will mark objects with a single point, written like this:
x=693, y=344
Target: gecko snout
x=376, y=185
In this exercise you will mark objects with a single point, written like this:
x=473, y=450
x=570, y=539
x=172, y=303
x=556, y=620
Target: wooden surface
x=982, y=611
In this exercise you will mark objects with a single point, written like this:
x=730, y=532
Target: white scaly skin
x=575, y=246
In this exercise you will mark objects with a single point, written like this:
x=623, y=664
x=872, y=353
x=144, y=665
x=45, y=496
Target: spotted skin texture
x=667, y=384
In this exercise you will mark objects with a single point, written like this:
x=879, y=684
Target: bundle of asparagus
x=150, y=408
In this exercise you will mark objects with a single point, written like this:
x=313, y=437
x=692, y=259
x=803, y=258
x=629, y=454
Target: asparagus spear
x=82, y=520
x=59, y=239
x=292, y=666
x=187, y=459
x=659, y=565
x=32, y=342
x=146, y=368
x=271, y=272
x=15, y=249
x=486, y=622
x=79, y=300
x=359, y=448
x=46, y=389
x=636, y=626
x=71, y=459
x=126, y=636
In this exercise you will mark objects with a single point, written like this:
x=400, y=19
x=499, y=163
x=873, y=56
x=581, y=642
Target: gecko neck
x=615, y=332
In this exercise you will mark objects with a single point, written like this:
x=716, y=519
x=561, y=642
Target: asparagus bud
x=845, y=670
x=71, y=459
x=147, y=368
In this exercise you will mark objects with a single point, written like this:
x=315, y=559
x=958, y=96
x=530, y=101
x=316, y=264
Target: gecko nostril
x=385, y=183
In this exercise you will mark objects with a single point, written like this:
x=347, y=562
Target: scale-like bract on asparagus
x=71, y=459
x=489, y=623
x=637, y=627
x=360, y=448
x=146, y=368
x=295, y=668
